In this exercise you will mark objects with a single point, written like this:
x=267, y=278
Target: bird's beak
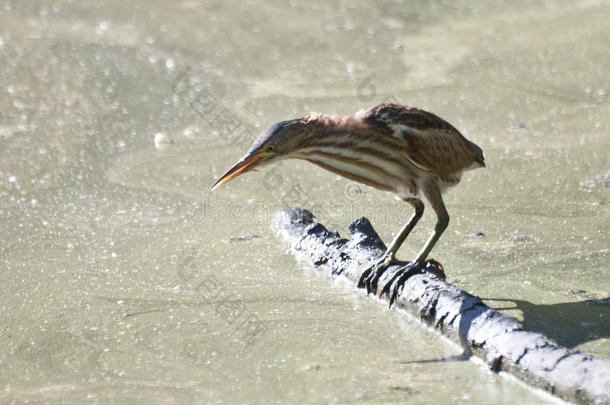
x=244, y=165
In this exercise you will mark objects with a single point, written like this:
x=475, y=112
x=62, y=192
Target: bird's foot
x=397, y=281
x=373, y=273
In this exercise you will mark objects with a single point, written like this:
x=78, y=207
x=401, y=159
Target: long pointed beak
x=244, y=165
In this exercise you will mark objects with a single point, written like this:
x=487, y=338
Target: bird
x=405, y=150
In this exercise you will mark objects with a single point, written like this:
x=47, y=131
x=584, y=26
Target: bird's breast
x=385, y=168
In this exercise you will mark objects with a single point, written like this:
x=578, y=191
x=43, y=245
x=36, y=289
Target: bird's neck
x=324, y=134
x=323, y=126
x=332, y=121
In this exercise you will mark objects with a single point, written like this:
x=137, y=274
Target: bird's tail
x=478, y=154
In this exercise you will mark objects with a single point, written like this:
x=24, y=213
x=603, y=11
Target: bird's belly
x=449, y=180
x=407, y=189
x=411, y=187
x=370, y=170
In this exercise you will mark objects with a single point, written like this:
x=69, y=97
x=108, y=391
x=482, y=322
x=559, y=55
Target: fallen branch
x=498, y=339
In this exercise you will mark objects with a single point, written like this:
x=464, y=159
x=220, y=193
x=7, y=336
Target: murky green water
x=111, y=246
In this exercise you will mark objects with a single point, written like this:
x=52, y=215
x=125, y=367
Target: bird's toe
x=393, y=293
x=435, y=268
x=373, y=277
x=364, y=277
x=392, y=287
x=370, y=277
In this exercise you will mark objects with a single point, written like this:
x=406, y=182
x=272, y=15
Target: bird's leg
x=433, y=195
x=371, y=275
x=414, y=267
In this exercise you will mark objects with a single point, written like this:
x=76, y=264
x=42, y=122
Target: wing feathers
x=433, y=144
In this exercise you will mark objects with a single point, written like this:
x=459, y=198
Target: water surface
x=127, y=281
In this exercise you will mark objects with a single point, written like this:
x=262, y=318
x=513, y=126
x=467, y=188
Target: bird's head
x=277, y=142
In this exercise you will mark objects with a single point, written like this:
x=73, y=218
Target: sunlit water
x=124, y=280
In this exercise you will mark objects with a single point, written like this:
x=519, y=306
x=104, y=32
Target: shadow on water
x=569, y=323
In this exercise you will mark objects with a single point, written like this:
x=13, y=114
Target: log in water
x=498, y=339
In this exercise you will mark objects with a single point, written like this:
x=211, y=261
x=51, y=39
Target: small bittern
x=408, y=151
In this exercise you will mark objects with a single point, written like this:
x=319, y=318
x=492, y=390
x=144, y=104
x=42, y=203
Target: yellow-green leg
x=371, y=275
x=433, y=195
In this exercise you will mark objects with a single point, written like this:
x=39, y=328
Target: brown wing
x=432, y=143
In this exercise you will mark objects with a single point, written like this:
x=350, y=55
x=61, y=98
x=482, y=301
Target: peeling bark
x=498, y=339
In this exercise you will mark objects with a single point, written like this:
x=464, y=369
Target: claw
x=393, y=295
x=363, y=277
x=435, y=263
x=373, y=273
x=398, y=280
x=377, y=272
x=391, y=288
x=370, y=277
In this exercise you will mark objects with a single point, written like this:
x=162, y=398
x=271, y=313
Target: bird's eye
x=271, y=148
